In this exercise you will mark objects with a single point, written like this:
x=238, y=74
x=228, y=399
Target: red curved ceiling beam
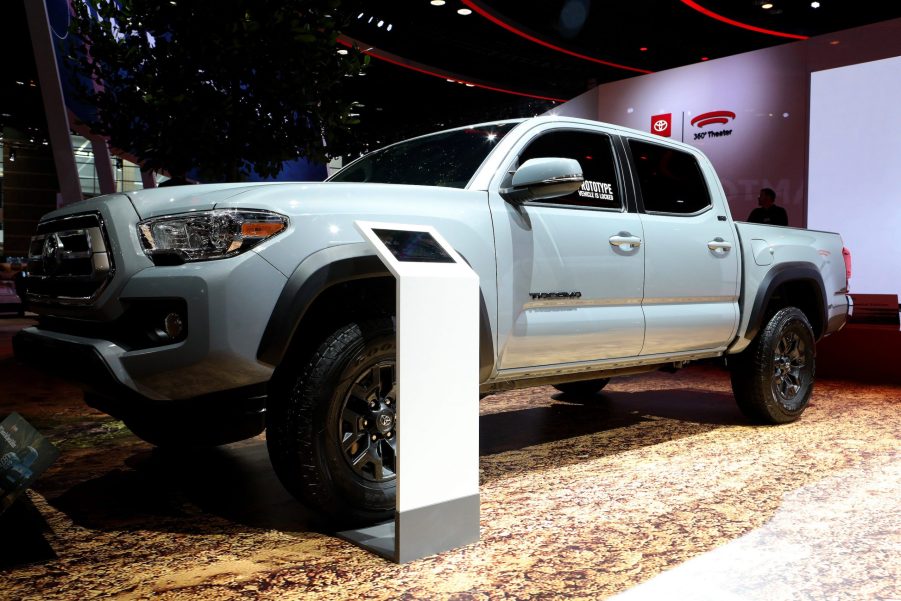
x=709, y=13
x=427, y=70
x=514, y=30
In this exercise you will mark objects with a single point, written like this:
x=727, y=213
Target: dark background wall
x=29, y=190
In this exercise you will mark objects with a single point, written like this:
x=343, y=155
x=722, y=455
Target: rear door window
x=670, y=180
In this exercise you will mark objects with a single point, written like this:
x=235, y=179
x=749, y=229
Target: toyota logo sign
x=50, y=254
x=662, y=125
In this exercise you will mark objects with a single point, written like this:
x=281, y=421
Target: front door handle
x=625, y=241
x=718, y=245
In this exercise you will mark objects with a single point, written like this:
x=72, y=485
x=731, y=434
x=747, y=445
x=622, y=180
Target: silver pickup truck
x=202, y=314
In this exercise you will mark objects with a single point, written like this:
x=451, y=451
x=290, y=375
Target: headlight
x=208, y=234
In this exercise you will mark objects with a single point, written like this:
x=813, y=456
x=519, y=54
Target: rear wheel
x=773, y=378
x=583, y=388
x=331, y=430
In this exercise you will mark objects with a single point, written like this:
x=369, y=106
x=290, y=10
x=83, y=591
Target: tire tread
x=750, y=375
x=296, y=419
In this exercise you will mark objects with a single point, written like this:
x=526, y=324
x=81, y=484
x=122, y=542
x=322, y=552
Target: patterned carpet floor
x=656, y=488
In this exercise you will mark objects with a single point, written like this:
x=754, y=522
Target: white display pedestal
x=438, y=400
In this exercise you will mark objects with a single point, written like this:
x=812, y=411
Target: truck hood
x=284, y=197
x=289, y=198
x=156, y=202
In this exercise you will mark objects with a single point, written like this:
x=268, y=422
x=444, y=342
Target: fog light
x=173, y=326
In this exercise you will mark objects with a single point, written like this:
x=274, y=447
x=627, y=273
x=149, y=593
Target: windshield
x=448, y=159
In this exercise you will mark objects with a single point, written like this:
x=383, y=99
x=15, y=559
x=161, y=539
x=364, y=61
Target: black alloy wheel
x=331, y=425
x=773, y=378
x=790, y=374
x=368, y=429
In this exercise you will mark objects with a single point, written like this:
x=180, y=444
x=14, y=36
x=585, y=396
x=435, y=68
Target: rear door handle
x=625, y=241
x=719, y=245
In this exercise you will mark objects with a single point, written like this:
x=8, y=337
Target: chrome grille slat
x=71, y=254
x=68, y=261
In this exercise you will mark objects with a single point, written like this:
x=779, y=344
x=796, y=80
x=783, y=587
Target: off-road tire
x=772, y=379
x=307, y=418
x=583, y=388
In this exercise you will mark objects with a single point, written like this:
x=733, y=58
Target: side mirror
x=538, y=179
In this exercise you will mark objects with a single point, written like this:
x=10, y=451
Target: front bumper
x=107, y=388
x=226, y=305
x=71, y=359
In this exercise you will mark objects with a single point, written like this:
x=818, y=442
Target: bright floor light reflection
x=827, y=540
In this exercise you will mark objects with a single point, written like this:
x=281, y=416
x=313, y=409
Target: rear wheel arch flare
x=796, y=284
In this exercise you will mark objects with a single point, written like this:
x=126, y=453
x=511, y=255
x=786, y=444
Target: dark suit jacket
x=772, y=216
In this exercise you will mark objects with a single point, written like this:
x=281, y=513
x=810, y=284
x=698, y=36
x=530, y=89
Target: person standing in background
x=768, y=212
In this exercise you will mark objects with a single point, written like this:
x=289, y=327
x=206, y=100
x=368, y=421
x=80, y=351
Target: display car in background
x=12, y=286
x=201, y=314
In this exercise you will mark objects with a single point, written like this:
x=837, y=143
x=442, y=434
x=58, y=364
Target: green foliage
x=224, y=86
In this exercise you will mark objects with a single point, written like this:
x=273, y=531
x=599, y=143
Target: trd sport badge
x=662, y=125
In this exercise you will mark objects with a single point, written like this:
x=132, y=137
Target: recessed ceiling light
x=766, y=5
x=342, y=50
x=437, y=2
x=814, y=5
x=470, y=85
x=704, y=58
x=464, y=11
x=380, y=23
x=643, y=49
x=390, y=26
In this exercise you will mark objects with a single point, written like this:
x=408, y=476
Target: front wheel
x=331, y=430
x=773, y=378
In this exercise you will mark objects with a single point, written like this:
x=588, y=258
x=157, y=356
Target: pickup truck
x=202, y=314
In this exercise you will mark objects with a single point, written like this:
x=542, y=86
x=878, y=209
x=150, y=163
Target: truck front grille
x=69, y=261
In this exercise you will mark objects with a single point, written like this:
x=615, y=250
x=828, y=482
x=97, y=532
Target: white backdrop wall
x=768, y=141
x=855, y=167
x=762, y=146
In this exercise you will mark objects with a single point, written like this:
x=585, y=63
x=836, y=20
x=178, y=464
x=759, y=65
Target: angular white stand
x=438, y=406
